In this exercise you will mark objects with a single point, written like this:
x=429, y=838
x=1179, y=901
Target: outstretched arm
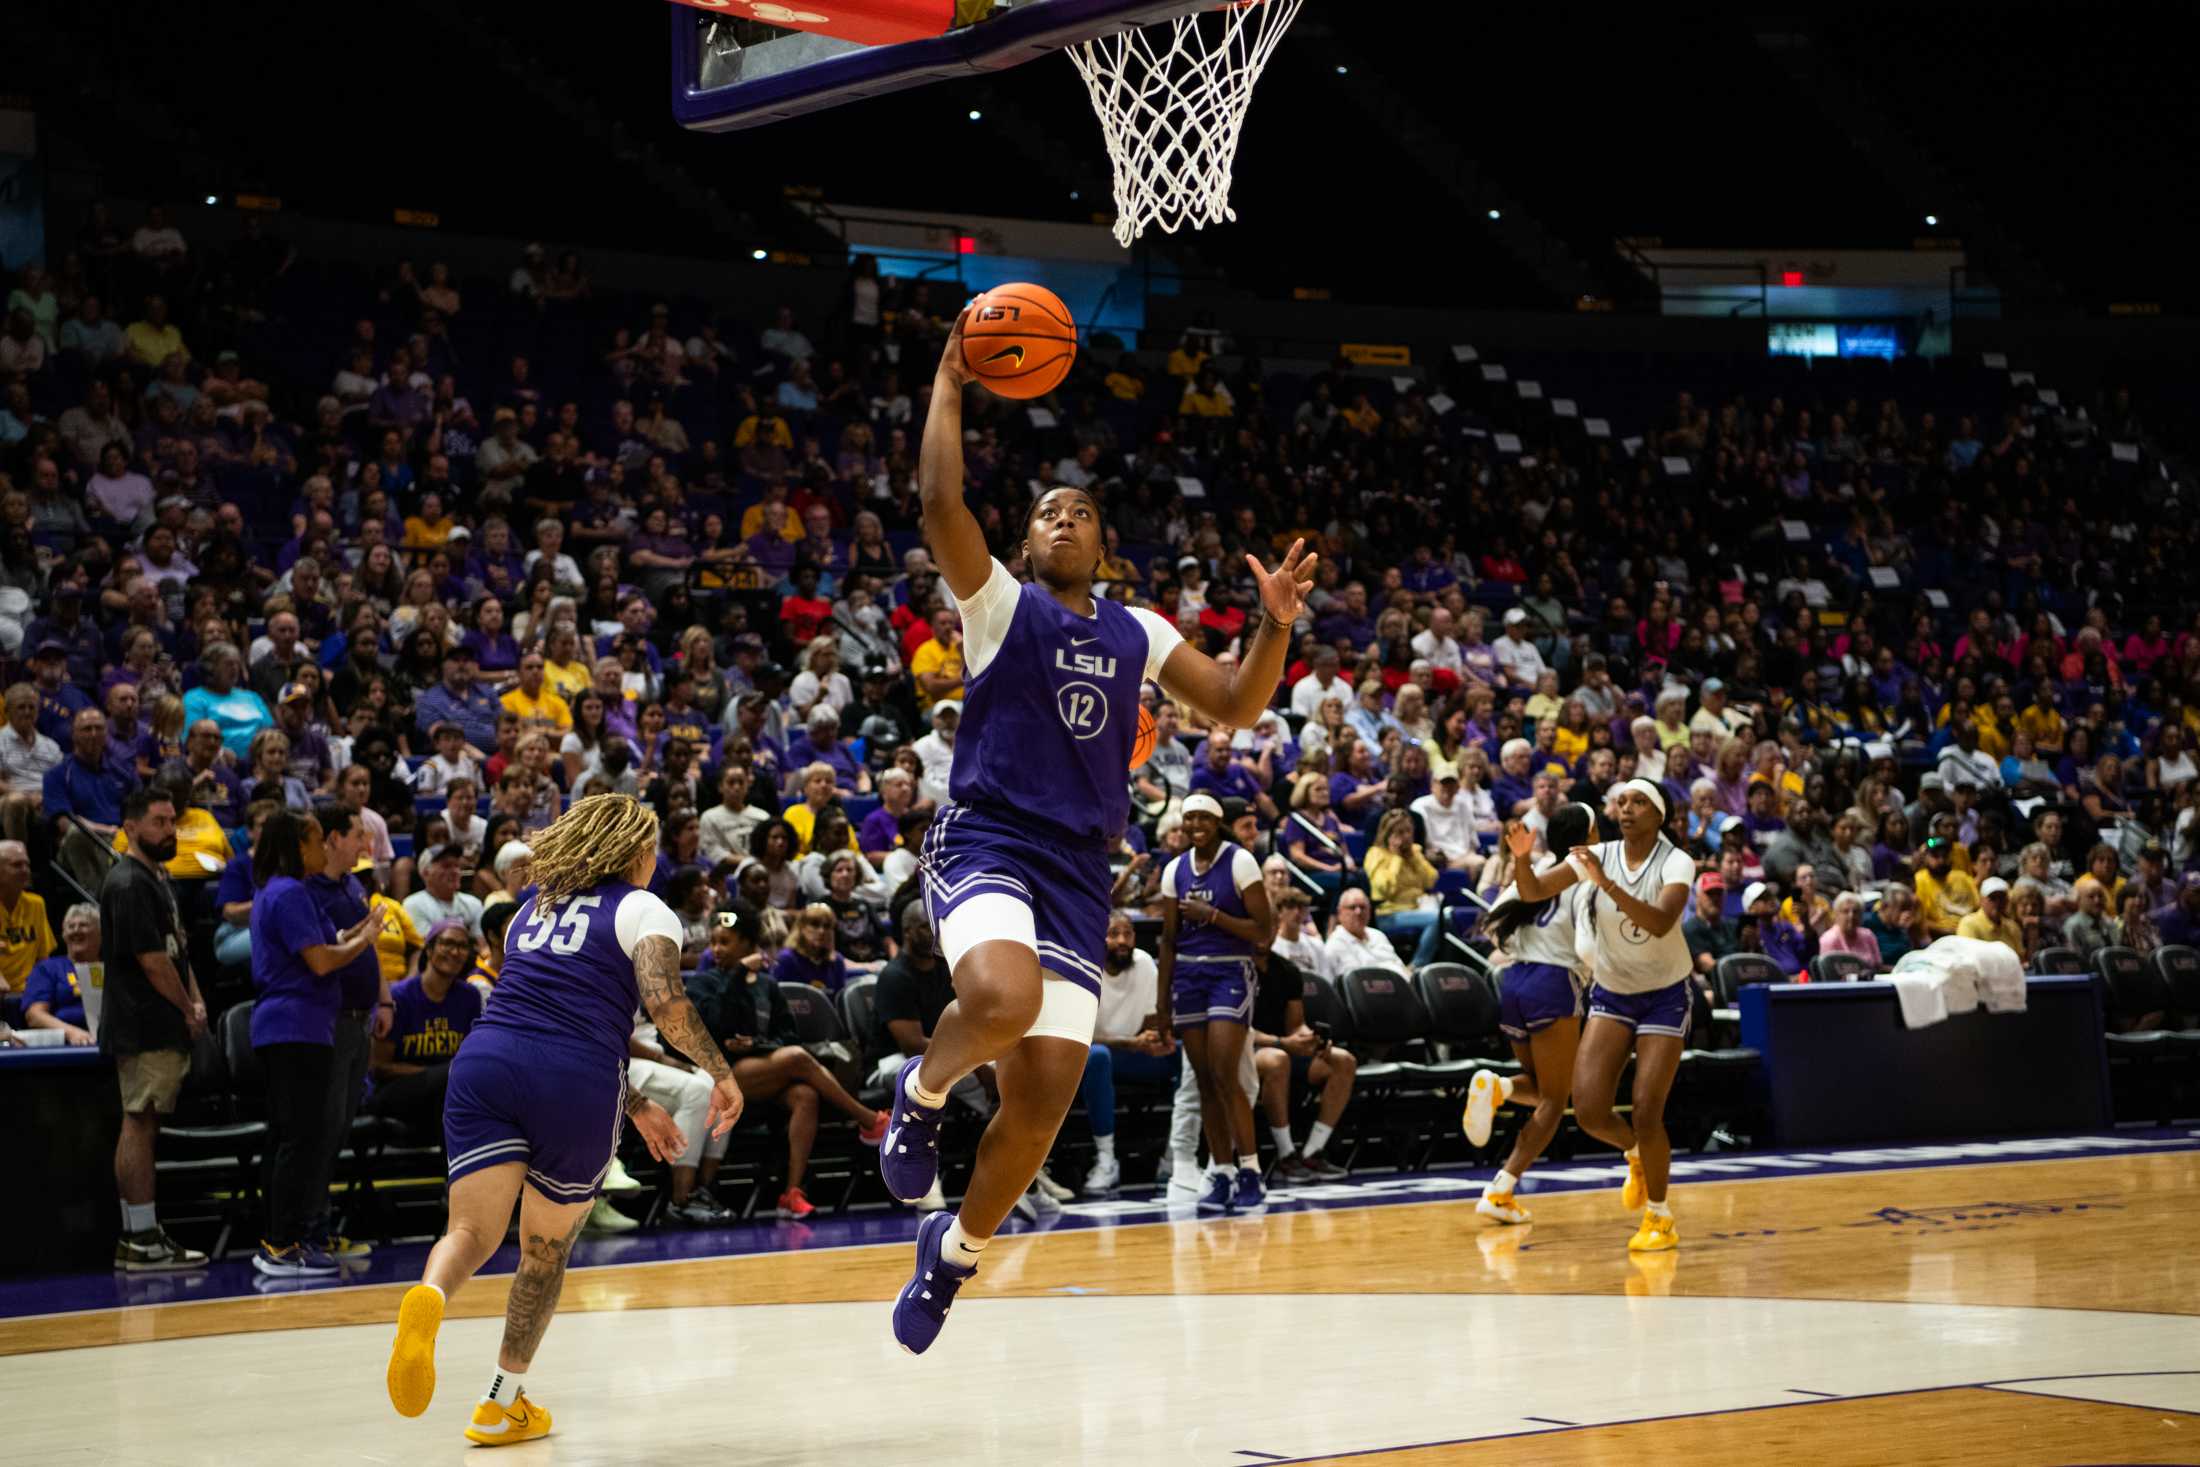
x=1237, y=698
x=657, y=975
x=950, y=529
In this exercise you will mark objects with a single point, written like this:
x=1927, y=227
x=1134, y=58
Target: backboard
x=745, y=63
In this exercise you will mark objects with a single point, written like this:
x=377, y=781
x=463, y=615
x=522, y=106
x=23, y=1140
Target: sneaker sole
x=292, y=1270
x=412, y=1358
x=165, y=1265
x=1480, y=1116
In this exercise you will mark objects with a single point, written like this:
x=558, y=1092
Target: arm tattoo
x=535, y=1290
x=657, y=975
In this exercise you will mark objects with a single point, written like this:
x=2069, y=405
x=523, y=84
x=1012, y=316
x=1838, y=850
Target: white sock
x=1284, y=1144
x=1633, y=1153
x=1502, y=1184
x=959, y=1248
x=504, y=1387
x=1250, y=1163
x=139, y=1217
x=1184, y=1161
x=1504, y=1088
x=438, y=1291
x=1318, y=1137
x=1221, y=1168
x=1105, y=1146
x=930, y=1100
x=1660, y=1209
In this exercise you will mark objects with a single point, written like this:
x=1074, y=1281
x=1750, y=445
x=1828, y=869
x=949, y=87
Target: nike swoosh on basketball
x=1006, y=353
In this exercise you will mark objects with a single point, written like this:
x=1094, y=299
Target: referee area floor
x=2009, y=1302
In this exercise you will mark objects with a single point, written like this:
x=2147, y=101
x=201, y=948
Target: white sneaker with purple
x=920, y=1310
x=909, y=1156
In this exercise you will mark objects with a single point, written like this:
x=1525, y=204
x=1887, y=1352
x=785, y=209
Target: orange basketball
x=1148, y=731
x=1019, y=340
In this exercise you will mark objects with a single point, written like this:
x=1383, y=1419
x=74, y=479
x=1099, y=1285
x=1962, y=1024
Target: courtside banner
x=867, y=22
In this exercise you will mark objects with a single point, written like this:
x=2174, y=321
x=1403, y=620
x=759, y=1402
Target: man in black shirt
x=1286, y=1051
x=150, y=1017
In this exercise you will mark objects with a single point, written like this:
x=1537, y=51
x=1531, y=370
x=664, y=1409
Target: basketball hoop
x=1171, y=100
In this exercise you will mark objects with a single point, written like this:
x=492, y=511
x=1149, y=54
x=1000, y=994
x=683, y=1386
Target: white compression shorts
x=1066, y=1010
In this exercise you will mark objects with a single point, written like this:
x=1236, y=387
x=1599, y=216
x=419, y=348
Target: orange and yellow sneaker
x=412, y=1358
x=1656, y=1235
x=1501, y=1206
x=498, y=1425
x=1632, y=1193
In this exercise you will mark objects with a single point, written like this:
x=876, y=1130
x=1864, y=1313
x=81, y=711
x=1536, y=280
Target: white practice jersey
x=1550, y=938
x=1629, y=959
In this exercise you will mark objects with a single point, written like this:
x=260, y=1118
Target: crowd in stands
x=448, y=555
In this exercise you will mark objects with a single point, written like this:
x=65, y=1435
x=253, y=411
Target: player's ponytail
x=1570, y=827
x=599, y=838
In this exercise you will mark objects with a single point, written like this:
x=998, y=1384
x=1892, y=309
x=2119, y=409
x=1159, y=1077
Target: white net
x=1171, y=100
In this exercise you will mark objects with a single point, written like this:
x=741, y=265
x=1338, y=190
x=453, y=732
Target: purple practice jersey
x=1051, y=706
x=568, y=976
x=1221, y=886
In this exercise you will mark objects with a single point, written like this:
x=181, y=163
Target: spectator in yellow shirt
x=1207, y=397
x=937, y=666
x=773, y=511
x=1945, y=895
x=1186, y=361
x=535, y=703
x=1124, y=384
x=397, y=940
x=2043, y=721
x=1992, y=922
x=25, y=936
x=1362, y=417
x=155, y=339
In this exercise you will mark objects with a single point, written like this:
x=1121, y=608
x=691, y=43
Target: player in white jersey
x=1640, y=995
x=1539, y=995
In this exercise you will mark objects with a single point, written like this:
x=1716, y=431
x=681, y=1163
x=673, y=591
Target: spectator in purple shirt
x=809, y=957
x=397, y=403
x=880, y=834
x=1225, y=778
x=310, y=757
x=493, y=647
x=819, y=743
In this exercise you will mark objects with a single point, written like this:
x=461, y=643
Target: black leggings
x=296, y=1167
x=417, y=1100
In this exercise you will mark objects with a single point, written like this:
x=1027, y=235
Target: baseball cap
x=1729, y=822
x=2189, y=881
x=1185, y=560
x=1714, y=685
x=1939, y=843
x=2151, y=851
x=514, y=852
x=1449, y=776
x=1203, y=804
x=50, y=648
x=443, y=726
x=1928, y=782
x=1752, y=892
x=296, y=693
x=1993, y=886
x=448, y=924
x=366, y=863
x=1515, y=616
x=1711, y=881
x=459, y=532
x=947, y=705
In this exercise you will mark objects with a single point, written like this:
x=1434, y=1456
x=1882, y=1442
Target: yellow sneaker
x=501, y=1426
x=1500, y=1205
x=1484, y=1095
x=412, y=1358
x=1656, y=1235
x=1632, y=1193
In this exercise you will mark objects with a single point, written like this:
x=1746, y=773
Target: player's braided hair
x=599, y=838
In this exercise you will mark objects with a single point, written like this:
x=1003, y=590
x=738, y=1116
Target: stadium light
x=1494, y=214
x=1931, y=220
x=975, y=114
x=758, y=255
x=1343, y=70
x=210, y=199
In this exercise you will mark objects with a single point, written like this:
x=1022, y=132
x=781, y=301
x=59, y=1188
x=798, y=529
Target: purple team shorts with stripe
x=974, y=849
x=1211, y=990
x=1534, y=996
x=1660, y=1011
x=559, y=1111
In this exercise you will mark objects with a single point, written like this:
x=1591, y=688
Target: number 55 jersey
x=541, y=1079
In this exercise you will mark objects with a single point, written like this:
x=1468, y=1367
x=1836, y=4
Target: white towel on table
x=1918, y=991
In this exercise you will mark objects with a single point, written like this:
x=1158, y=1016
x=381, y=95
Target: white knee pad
x=1066, y=1011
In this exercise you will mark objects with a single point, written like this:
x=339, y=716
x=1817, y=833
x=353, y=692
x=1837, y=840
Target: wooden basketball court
x=2008, y=1313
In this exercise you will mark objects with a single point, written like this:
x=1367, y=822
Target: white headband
x=1650, y=791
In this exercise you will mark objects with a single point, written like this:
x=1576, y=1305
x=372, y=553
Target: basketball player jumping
x=1539, y=1010
x=538, y=1089
x=1640, y=998
x=1015, y=867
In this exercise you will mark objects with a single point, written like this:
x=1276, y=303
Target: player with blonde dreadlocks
x=538, y=1090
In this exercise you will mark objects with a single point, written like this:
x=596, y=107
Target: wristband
x=1281, y=626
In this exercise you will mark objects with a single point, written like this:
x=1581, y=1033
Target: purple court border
x=234, y=1278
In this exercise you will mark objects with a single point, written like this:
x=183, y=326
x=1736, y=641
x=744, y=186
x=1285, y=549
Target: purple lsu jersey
x=1205, y=943
x=566, y=982
x=1047, y=727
